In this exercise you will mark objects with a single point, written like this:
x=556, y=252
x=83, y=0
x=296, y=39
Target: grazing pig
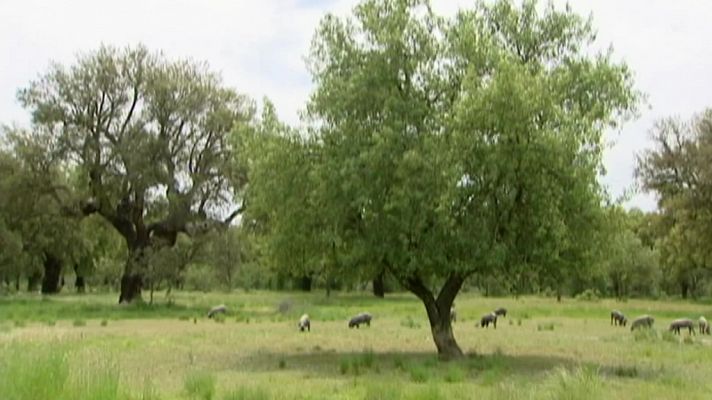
x=221, y=309
x=617, y=318
x=500, y=311
x=305, y=323
x=704, y=325
x=645, y=321
x=682, y=323
x=363, y=318
x=487, y=319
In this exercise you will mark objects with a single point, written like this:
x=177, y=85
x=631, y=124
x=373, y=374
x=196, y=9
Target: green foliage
x=435, y=155
x=677, y=170
x=200, y=277
x=589, y=295
x=152, y=144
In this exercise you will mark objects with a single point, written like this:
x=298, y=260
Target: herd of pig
x=646, y=321
x=617, y=318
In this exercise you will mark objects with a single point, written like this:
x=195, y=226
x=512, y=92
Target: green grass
x=200, y=385
x=564, y=350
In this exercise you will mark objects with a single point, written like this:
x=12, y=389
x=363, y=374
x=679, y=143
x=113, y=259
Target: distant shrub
x=79, y=322
x=282, y=364
x=200, y=277
x=589, y=295
x=104, y=322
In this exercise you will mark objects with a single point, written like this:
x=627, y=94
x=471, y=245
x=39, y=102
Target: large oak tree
x=460, y=146
x=152, y=140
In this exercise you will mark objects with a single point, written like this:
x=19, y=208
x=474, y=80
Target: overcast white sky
x=259, y=47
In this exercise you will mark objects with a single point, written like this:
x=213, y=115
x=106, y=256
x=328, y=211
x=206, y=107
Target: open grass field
x=87, y=347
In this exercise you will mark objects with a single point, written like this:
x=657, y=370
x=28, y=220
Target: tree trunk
x=80, y=284
x=379, y=287
x=438, y=311
x=684, y=288
x=52, y=274
x=132, y=279
x=130, y=287
x=33, y=282
x=305, y=283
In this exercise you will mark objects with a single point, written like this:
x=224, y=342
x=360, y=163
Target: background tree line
x=440, y=155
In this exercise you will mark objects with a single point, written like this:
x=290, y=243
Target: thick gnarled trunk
x=52, y=274
x=438, y=310
x=79, y=282
x=132, y=279
x=379, y=285
x=130, y=287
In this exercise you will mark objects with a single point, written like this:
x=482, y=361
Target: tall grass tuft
x=96, y=380
x=30, y=374
x=454, y=374
x=581, y=383
x=200, y=385
x=418, y=373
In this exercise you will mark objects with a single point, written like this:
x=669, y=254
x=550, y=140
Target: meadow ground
x=72, y=347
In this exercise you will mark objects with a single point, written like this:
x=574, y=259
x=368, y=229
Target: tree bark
x=438, y=311
x=79, y=282
x=305, y=283
x=52, y=274
x=684, y=289
x=130, y=287
x=33, y=282
x=132, y=279
x=379, y=287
